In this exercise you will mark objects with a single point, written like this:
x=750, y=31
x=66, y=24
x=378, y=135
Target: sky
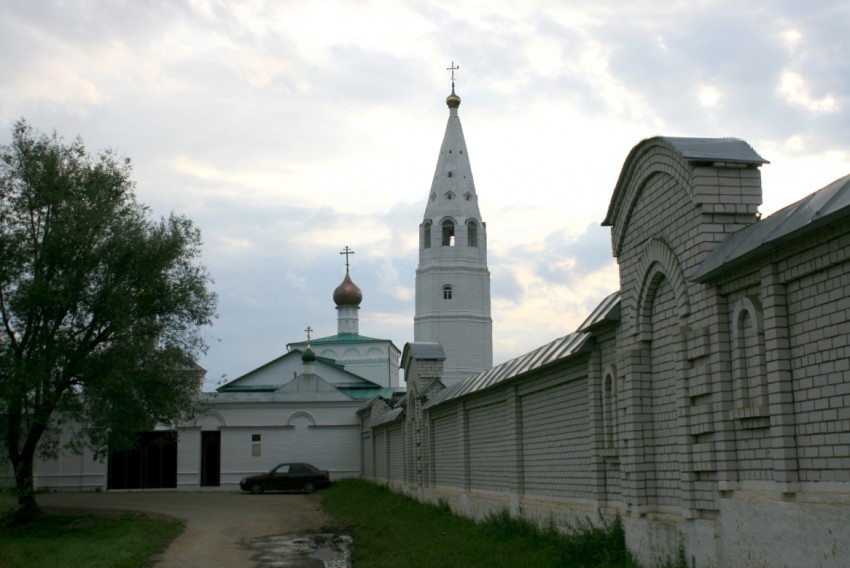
x=288, y=130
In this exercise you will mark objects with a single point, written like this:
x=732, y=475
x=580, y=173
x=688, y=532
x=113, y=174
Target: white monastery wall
x=68, y=470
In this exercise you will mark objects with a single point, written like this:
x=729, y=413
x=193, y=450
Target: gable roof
x=324, y=365
x=825, y=206
x=309, y=387
x=339, y=338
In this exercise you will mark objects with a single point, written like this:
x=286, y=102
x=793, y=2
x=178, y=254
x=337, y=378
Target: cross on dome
x=346, y=251
x=453, y=68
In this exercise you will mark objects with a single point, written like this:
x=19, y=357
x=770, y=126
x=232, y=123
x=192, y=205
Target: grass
x=392, y=530
x=85, y=540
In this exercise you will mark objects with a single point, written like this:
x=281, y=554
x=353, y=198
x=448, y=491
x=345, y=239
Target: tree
x=101, y=305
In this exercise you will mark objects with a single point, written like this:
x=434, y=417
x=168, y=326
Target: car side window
x=281, y=470
x=298, y=469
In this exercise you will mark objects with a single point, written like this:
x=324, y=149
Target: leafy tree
x=101, y=305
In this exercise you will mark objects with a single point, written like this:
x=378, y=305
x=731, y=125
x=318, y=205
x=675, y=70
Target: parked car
x=287, y=476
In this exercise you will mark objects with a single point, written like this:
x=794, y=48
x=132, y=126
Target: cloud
x=287, y=130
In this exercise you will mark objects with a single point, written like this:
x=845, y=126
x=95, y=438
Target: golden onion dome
x=453, y=101
x=347, y=293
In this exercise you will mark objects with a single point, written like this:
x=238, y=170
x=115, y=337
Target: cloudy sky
x=289, y=129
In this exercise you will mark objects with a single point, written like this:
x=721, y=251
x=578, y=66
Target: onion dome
x=308, y=356
x=453, y=101
x=347, y=293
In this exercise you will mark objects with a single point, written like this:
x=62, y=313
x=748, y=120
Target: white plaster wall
x=189, y=458
x=69, y=470
x=326, y=435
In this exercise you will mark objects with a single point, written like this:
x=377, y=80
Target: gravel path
x=223, y=528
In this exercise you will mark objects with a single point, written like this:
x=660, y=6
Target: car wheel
x=257, y=488
x=309, y=487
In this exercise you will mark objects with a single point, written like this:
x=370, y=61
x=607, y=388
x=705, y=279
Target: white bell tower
x=452, y=279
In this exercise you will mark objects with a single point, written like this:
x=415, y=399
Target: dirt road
x=222, y=527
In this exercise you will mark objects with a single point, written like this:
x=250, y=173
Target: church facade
x=706, y=402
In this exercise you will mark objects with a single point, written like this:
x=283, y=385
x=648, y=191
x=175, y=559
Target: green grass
x=87, y=540
x=392, y=530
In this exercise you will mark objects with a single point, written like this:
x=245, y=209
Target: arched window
x=748, y=354
x=472, y=233
x=447, y=292
x=609, y=410
x=448, y=233
x=426, y=234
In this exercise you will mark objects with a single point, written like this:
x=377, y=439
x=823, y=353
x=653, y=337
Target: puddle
x=303, y=550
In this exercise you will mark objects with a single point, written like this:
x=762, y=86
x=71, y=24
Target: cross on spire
x=453, y=68
x=346, y=251
x=309, y=332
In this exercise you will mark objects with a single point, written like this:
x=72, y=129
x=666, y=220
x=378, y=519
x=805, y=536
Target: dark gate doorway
x=211, y=459
x=152, y=464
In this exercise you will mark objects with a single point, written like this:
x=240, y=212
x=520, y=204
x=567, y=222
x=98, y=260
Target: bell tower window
x=426, y=235
x=448, y=233
x=472, y=233
x=447, y=292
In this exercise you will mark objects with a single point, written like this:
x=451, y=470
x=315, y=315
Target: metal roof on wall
x=809, y=214
x=556, y=350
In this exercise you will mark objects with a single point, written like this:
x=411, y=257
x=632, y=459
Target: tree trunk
x=27, y=507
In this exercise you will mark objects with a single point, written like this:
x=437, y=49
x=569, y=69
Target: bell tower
x=452, y=278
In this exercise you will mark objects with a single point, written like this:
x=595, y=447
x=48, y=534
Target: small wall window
x=609, y=415
x=426, y=235
x=748, y=356
x=448, y=233
x=472, y=233
x=447, y=292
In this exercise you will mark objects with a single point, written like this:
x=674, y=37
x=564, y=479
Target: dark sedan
x=286, y=477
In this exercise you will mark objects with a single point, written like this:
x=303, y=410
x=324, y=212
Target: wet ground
x=303, y=550
x=230, y=528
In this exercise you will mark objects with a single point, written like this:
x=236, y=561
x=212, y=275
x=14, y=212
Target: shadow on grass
x=87, y=540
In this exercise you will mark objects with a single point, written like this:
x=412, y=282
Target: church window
x=255, y=437
x=467, y=196
x=472, y=233
x=448, y=233
x=450, y=195
x=447, y=292
x=450, y=175
x=426, y=235
x=433, y=196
